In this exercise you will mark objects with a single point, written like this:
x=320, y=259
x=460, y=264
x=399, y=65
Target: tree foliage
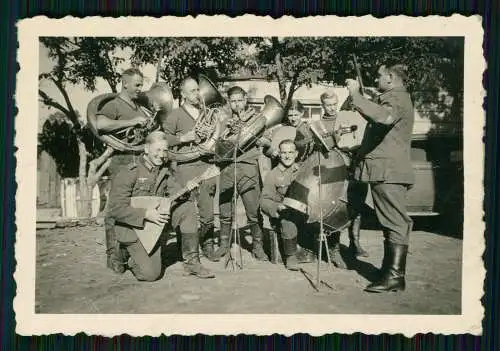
x=434, y=63
x=77, y=61
x=58, y=139
x=177, y=57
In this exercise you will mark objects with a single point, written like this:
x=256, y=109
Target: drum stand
x=322, y=236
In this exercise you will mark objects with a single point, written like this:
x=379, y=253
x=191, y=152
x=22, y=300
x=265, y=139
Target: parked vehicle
x=438, y=165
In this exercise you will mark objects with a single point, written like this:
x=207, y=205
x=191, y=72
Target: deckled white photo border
x=30, y=323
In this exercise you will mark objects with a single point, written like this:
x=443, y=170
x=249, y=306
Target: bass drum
x=303, y=193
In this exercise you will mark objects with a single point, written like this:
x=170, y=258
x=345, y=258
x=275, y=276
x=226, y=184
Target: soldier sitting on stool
x=283, y=219
x=150, y=177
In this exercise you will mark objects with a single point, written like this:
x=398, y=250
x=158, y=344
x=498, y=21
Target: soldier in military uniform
x=149, y=176
x=329, y=103
x=179, y=126
x=306, y=144
x=384, y=162
x=285, y=221
x=119, y=113
x=247, y=181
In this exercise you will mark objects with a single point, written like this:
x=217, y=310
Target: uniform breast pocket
x=142, y=187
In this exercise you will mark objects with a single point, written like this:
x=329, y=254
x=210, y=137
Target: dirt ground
x=71, y=278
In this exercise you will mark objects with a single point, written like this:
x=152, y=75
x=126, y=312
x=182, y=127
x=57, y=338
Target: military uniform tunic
x=383, y=159
x=179, y=122
x=145, y=179
x=247, y=185
x=288, y=221
x=118, y=109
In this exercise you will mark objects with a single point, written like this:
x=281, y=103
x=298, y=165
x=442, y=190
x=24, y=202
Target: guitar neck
x=179, y=193
x=184, y=190
x=206, y=175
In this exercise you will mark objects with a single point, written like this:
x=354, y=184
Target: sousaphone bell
x=246, y=135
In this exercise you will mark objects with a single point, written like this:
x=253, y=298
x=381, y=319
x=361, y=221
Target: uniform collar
x=282, y=168
x=148, y=164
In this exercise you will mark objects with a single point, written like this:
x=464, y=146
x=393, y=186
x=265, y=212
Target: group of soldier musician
x=382, y=161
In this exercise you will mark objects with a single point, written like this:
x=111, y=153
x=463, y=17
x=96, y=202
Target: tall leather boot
x=290, y=251
x=225, y=235
x=191, y=257
x=114, y=260
x=386, y=259
x=257, y=248
x=334, y=250
x=393, y=278
x=207, y=242
x=274, y=247
x=304, y=255
x=354, y=234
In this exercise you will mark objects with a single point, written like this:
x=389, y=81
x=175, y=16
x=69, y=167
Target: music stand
x=235, y=231
x=320, y=145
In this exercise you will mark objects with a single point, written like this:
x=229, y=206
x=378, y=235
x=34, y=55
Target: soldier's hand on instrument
x=139, y=120
x=281, y=207
x=352, y=86
x=370, y=93
x=153, y=215
x=188, y=137
x=247, y=114
x=275, y=153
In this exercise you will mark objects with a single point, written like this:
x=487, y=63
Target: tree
x=293, y=62
x=177, y=57
x=81, y=60
x=434, y=64
x=58, y=133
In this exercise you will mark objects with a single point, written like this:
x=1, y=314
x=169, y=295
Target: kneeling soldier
x=150, y=177
x=283, y=219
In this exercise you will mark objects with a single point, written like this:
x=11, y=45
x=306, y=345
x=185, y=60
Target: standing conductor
x=383, y=160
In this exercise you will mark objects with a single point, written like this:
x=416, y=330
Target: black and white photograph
x=250, y=172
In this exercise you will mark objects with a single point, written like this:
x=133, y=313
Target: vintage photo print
x=252, y=175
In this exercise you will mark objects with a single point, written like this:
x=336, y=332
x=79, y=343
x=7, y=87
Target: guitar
x=151, y=232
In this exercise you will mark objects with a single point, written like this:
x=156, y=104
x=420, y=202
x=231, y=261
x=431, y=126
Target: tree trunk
x=291, y=91
x=88, y=180
x=158, y=65
x=84, y=207
x=279, y=70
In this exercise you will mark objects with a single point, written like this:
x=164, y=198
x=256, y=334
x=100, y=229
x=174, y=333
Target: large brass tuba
x=240, y=138
x=208, y=125
x=157, y=103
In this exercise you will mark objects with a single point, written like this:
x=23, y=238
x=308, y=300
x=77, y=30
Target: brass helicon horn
x=156, y=103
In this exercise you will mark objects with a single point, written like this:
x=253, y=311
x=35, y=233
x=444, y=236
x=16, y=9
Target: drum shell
x=303, y=193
